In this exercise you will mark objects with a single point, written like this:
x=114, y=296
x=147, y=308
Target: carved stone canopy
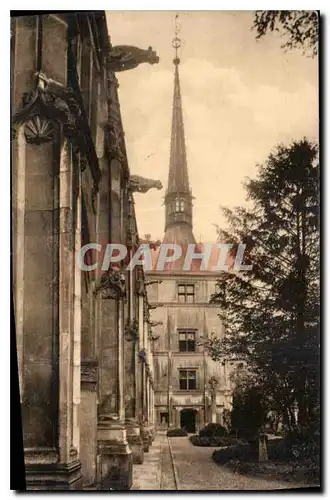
x=140, y=184
x=49, y=106
x=125, y=57
x=112, y=285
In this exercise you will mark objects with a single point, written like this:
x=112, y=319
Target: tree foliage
x=300, y=27
x=271, y=313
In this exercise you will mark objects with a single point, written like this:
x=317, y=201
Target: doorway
x=188, y=420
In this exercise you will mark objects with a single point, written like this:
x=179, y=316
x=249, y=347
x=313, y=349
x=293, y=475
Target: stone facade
x=86, y=390
x=173, y=318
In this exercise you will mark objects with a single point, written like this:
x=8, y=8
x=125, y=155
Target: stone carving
x=151, y=282
x=89, y=373
x=125, y=57
x=139, y=282
x=140, y=184
x=154, y=306
x=39, y=130
x=213, y=382
x=112, y=285
x=152, y=244
x=48, y=105
x=83, y=162
x=143, y=355
x=114, y=143
x=155, y=323
x=146, y=315
x=132, y=330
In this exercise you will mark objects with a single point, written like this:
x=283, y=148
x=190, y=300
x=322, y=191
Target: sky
x=241, y=97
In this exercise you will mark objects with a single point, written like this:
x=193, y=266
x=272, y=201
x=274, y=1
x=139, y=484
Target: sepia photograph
x=165, y=250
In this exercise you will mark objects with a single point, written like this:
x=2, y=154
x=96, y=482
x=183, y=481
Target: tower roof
x=178, y=180
x=178, y=198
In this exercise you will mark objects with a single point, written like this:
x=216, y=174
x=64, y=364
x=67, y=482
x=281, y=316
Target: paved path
x=196, y=470
x=156, y=472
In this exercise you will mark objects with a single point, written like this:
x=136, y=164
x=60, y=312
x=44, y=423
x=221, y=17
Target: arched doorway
x=188, y=420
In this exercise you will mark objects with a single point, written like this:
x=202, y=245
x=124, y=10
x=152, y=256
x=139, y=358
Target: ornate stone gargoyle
x=125, y=57
x=138, y=184
x=132, y=330
x=48, y=105
x=213, y=382
x=112, y=285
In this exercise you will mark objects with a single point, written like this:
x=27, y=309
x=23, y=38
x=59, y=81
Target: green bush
x=216, y=441
x=213, y=429
x=176, y=433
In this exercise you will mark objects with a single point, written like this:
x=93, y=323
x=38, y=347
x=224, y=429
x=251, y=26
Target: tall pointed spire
x=178, y=199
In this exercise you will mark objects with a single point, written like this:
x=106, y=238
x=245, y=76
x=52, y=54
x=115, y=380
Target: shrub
x=216, y=441
x=239, y=452
x=176, y=433
x=303, y=444
x=213, y=429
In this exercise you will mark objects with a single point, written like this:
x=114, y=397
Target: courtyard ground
x=175, y=464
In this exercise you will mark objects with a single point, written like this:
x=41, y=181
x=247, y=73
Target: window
x=187, y=340
x=187, y=380
x=186, y=293
x=179, y=205
x=164, y=418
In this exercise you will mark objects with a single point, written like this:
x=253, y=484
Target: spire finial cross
x=176, y=42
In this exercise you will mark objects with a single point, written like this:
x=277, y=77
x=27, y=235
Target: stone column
x=131, y=347
x=115, y=457
x=44, y=298
x=90, y=332
x=171, y=420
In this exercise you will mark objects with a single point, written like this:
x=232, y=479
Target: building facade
x=190, y=389
x=82, y=335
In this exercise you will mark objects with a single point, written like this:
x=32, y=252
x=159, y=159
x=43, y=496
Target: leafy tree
x=271, y=313
x=300, y=27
